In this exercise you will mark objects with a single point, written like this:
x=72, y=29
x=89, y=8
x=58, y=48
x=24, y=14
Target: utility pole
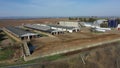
x=117, y=63
x=82, y=58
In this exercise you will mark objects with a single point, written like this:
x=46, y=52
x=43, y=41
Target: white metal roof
x=118, y=26
x=28, y=34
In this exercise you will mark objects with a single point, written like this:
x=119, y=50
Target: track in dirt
x=88, y=49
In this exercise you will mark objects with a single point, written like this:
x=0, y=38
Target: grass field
x=37, y=61
x=6, y=53
x=49, y=58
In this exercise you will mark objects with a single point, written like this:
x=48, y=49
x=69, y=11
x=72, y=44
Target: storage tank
x=112, y=23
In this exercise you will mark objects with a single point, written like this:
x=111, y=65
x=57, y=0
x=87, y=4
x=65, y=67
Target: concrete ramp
x=26, y=49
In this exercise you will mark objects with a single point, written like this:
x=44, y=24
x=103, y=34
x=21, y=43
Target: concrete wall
x=26, y=49
x=70, y=24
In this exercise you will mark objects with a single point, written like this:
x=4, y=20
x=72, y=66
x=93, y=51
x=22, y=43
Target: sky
x=37, y=8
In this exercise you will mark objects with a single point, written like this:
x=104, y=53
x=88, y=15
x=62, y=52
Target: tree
x=118, y=20
x=91, y=19
x=73, y=18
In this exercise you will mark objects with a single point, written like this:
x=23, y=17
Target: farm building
x=70, y=24
x=87, y=24
x=44, y=28
x=64, y=28
x=20, y=33
x=100, y=25
x=99, y=22
x=110, y=23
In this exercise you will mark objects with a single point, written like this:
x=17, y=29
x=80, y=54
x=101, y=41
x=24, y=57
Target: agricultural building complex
x=20, y=33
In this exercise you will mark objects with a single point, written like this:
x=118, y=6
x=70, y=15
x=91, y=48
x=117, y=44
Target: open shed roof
x=38, y=27
x=19, y=32
x=41, y=28
x=58, y=26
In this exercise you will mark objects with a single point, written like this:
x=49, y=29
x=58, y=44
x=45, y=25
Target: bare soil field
x=18, y=22
x=106, y=56
x=9, y=49
x=68, y=41
x=102, y=57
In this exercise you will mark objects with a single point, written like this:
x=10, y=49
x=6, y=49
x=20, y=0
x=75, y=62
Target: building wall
x=70, y=24
x=70, y=31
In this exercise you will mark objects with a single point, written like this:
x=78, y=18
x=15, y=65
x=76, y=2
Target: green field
x=6, y=53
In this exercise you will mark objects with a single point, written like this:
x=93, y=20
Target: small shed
x=118, y=27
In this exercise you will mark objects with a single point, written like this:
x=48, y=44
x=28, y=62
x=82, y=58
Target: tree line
x=83, y=19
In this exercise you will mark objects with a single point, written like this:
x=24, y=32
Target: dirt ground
x=5, y=40
x=8, y=45
x=18, y=22
x=106, y=56
x=67, y=41
x=102, y=57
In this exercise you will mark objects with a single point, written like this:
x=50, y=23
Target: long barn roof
x=58, y=26
x=18, y=31
x=41, y=28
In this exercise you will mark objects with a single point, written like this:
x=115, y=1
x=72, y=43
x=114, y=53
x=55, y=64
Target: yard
x=67, y=41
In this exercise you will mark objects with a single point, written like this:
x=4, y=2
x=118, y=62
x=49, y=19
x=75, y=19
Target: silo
x=112, y=23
